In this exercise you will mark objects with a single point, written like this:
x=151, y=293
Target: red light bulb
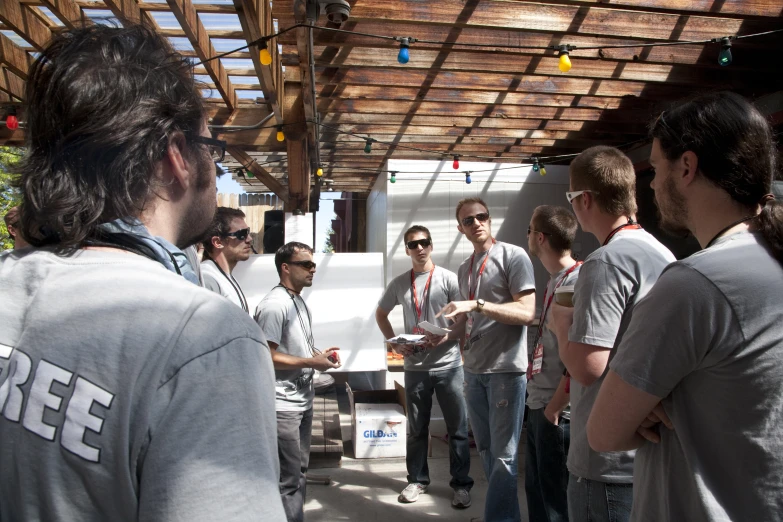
x=456, y=163
x=12, y=122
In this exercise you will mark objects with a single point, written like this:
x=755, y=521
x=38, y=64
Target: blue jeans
x=447, y=385
x=496, y=405
x=593, y=501
x=294, y=431
x=546, y=475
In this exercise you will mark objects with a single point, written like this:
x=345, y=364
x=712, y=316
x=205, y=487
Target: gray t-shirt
x=496, y=347
x=286, y=321
x=222, y=283
x=442, y=290
x=611, y=282
x=709, y=338
x=542, y=386
x=128, y=393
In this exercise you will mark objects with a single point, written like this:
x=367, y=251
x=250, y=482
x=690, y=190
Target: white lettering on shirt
x=11, y=397
x=41, y=397
x=78, y=419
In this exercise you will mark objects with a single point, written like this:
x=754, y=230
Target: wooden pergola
x=479, y=83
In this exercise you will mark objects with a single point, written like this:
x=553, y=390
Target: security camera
x=337, y=11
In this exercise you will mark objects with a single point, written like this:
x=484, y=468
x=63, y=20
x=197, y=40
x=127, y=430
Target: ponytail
x=770, y=224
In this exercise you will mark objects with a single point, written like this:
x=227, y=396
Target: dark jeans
x=546, y=475
x=593, y=501
x=447, y=385
x=294, y=429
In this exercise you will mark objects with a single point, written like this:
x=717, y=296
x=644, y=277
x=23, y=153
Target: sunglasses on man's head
x=240, y=234
x=481, y=217
x=307, y=265
x=413, y=245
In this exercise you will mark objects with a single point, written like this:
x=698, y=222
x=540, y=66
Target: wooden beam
x=129, y=10
x=11, y=84
x=13, y=57
x=20, y=19
x=68, y=12
x=259, y=172
x=299, y=178
x=188, y=19
x=256, y=19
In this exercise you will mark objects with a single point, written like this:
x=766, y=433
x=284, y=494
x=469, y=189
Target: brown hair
x=221, y=225
x=558, y=224
x=609, y=174
x=468, y=201
x=417, y=228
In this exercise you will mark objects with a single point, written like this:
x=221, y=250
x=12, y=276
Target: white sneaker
x=411, y=493
x=461, y=499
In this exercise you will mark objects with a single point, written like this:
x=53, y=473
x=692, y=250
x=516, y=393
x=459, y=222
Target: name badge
x=538, y=359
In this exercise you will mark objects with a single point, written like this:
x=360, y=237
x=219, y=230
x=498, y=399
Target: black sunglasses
x=468, y=221
x=217, y=148
x=413, y=245
x=529, y=230
x=307, y=265
x=240, y=234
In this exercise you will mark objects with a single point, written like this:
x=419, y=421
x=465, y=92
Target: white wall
x=426, y=193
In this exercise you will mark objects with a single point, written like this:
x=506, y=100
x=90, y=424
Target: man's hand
x=433, y=340
x=656, y=416
x=322, y=363
x=456, y=308
x=402, y=349
x=560, y=320
x=552, y=415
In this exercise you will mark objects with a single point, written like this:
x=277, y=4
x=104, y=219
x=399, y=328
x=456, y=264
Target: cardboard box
x=378, y=422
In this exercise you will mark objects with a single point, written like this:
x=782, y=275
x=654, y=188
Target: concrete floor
x=366, y=490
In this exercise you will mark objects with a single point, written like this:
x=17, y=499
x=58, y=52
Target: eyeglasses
x=570, y=196
x=307, y=265
x=529, y=230
x=217, y=148
x=240, y=234
x=468, y=221
x=413, y=245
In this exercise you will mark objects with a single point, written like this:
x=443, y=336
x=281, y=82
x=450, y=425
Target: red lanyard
x=481, y=271
x=416, y=297
x=630, y=225
x=545, y=310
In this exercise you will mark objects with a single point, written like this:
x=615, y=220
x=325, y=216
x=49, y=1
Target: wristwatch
x=480, y=306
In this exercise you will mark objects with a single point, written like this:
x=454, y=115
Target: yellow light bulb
x=565, y=62
x=319, y=172
x=543, y=171
x=265, y=56
x=280, y=136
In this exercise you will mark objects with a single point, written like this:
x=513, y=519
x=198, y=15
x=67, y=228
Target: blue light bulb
x=404, y=55
x=467, y=178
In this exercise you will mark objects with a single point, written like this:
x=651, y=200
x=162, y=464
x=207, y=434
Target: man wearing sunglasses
x=497, y=303
x=286, y=322
x=127, y=392
x=435, y=367
x=612, y=280
x=227, y=242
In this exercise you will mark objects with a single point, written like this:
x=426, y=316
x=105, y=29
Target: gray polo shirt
x=442, y=290
x=542, y=386
x=611, y=282
x=496, y=347
x=128, y=393
x=285, y=320
x=709, y=338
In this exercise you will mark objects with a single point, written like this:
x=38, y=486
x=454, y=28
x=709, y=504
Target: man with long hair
x=703, y=350
x=127, y=392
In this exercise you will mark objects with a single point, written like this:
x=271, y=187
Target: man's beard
x=674, y=217
x=201, y=213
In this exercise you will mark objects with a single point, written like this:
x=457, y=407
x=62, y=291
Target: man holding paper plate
x=432, y=364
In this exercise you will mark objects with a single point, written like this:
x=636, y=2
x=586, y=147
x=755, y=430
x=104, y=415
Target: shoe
x=411, y=493
x=461, y=499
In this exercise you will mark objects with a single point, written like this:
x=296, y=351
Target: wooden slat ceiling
x=494, y=101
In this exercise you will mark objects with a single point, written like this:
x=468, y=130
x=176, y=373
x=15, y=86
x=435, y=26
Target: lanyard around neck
x=416, y=306
x=235, y=286
x=630, y=226
x=473, y=291
x=547, y=303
